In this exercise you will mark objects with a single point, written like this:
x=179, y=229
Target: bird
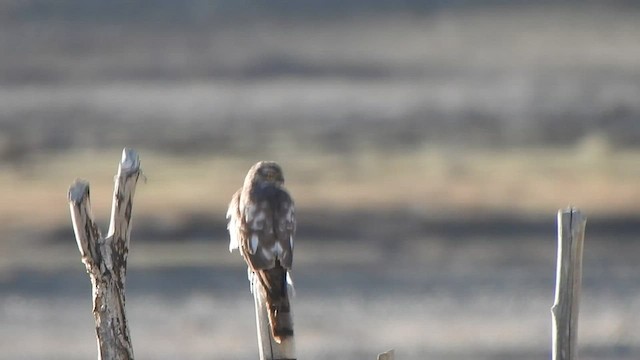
x=262, y=225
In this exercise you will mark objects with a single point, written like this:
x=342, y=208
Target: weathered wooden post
x=564, y=312
x=387, y=355
x=269, y=348
x=106, y=257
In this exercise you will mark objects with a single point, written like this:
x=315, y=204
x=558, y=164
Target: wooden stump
x=564, y=312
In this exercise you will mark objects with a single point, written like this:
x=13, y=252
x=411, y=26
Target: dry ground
x=430, y=181
x=441, y=295
x=438, y=298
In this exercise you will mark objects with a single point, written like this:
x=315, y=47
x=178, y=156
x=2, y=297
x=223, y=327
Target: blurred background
x=428, y=145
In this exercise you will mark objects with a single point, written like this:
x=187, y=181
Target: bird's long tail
x=274, y=283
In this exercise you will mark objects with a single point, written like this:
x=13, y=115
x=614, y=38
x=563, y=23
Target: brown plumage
x=262, y=225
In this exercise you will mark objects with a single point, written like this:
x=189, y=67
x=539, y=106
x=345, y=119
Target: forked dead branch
x=106, y=257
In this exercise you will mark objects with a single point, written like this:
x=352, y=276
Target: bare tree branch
x=106, y=258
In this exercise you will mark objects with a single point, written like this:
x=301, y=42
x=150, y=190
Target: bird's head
x=266, y=172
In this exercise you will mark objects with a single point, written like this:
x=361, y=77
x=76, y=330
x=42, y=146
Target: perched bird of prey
x=262, y=226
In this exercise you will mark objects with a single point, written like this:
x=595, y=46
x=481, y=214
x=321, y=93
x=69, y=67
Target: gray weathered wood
x=106, y=257
x=387, y=355
x=564, y=312
x=268, y=348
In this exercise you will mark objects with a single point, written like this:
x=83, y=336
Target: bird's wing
x=267, y=228
x=234, y=218
x=285, y=228
x=256, y=234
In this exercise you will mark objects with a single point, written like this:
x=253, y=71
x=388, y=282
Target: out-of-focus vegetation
x=438, y=109
x=428, y=145
x=499, y=77
x=427, y=182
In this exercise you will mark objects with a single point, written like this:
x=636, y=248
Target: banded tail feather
x=274, y=283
